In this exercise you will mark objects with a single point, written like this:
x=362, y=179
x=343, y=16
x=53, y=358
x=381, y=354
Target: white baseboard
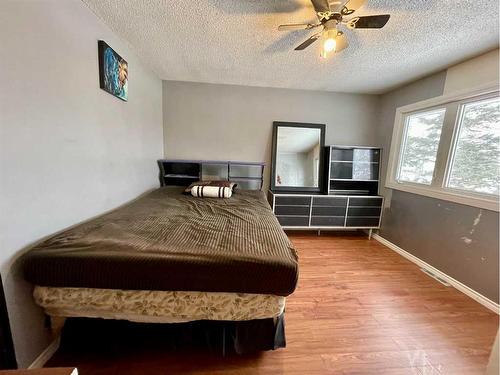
x=493, y=306
x=44, y=356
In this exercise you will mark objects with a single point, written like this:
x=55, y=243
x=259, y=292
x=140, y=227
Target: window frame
x=446, y=148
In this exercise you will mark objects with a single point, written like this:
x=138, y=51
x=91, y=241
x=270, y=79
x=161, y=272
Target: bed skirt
x=224, y=337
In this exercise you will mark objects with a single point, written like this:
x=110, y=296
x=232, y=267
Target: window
x=420, y=145
x=449, y=148
x=474, y=166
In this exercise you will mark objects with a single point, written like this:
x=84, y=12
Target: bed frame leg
x=56, y=325
x=370, y=234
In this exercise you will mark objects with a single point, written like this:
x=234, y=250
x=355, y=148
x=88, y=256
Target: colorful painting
x=113, y=72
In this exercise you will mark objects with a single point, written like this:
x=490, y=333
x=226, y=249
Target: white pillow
x=211, y=191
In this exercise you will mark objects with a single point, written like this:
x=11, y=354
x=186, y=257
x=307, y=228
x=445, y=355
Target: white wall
x=225, y=122
x=68, y=150
x=472, y=73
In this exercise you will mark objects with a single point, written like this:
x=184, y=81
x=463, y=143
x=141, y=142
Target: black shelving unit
x=353, y=170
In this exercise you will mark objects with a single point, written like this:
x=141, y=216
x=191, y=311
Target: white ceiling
x=237, y=42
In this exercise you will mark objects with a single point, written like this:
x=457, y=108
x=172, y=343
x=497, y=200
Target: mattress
x=169, y=241
x=148, y=306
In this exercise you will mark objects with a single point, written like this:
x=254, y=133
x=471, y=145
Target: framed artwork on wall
x=113, y=71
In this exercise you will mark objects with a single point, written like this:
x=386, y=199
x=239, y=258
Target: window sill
x=469, y=200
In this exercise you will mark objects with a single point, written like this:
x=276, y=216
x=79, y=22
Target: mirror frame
x=321, y=127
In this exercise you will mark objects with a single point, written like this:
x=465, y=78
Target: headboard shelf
x=248, y=175
x=180, y=175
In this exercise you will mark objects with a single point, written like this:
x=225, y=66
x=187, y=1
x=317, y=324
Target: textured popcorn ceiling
x=237, y=41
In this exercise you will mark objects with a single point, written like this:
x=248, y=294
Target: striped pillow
x=202, y=191
x=218, y=183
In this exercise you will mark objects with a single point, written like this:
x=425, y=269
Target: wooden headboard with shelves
x=248, y=175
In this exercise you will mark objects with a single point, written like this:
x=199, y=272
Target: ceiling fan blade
x=351, y=6
x=308, y=42
x=341, y=43
x=369, y=22
x=320, y=5
x=297, y=26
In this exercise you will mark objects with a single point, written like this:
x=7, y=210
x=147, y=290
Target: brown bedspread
x=170, y=241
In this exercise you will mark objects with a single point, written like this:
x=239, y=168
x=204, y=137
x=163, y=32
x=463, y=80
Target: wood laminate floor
x=359, y=308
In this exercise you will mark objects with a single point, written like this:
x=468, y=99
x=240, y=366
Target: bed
x=168, y=257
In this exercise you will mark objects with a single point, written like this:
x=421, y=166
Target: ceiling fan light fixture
x=330, y=42
x=331, y=15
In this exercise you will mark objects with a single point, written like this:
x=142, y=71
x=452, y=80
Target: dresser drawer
x=330, y=201
x=292, y=201
x=365, y=202
x=328, y=211
x=292, y=210
x=327, y=221
x=364, y=211
x=294, y=221
x=362, y=221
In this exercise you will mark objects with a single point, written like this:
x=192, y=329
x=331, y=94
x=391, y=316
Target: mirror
x=297, y=156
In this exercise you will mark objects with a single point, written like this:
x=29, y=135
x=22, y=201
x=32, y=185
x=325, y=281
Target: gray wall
x=207, y=121
x=433, y=230
x=68, y=150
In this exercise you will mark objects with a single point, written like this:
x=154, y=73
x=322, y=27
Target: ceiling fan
x=331, y=15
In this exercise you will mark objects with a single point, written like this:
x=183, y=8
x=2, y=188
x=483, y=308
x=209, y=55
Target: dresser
x=349, y=199
x=322, y=211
